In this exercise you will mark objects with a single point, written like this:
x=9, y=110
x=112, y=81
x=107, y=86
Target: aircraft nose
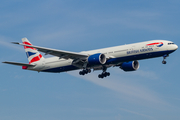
x=175, y=47
x=172, y=47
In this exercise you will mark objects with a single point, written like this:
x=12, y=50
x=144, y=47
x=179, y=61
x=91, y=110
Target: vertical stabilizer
x=32, y=54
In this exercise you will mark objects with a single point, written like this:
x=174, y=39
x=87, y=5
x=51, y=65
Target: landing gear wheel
x=164, y=62
x=104, y=74
x=100, y=76
x=108, y=74
x=164, y=57
x=85, y=71
x=80, y=72
x=89, y=70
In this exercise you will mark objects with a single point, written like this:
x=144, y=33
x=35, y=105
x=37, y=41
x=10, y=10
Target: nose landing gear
x=164, y=62
x=164, y=57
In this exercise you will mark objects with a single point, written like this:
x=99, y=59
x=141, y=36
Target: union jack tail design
x=32, y=54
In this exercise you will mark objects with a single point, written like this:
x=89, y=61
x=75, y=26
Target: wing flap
x=19, y=64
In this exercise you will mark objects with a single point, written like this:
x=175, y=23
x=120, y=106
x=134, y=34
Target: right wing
x=58, y=53
x=19, y=64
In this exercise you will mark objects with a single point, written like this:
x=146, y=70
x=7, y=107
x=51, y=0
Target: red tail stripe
x=25, y=47
x=26, y=43
x=155, y=43
x=35, y=59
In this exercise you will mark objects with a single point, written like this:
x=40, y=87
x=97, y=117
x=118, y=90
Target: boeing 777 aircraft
x=124, y=56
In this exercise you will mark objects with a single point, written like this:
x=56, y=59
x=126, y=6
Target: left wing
x=58, y=53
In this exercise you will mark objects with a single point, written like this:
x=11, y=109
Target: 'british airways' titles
x=139, y=51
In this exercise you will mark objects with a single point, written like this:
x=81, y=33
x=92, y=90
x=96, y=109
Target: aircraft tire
x=164, y=62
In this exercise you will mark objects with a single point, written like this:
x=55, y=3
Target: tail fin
x=32, y=54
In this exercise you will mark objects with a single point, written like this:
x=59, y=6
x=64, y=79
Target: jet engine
x=97, y=59
x=130, y=66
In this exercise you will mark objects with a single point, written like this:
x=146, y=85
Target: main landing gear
x=85, y=71
x=104, y=73
x=164, y=57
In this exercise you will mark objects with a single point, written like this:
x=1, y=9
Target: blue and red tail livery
x=32, y=53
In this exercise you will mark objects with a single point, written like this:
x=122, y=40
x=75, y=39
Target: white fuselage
x=115, y=55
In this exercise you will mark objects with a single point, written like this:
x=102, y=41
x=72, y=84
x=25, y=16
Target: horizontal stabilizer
x=15, y=43
x=19, y=64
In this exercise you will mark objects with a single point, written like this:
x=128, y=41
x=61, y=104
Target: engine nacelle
x=97, y=59
x=130, y=66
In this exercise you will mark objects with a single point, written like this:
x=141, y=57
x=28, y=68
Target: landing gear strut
x=85, y=71
x=104, y=73
x=164, y=57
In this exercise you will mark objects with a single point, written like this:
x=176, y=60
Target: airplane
x=125, y=57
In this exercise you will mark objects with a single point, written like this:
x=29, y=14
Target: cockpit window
x=170, y=43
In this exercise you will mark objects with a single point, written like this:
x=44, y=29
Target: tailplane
x=32, y=54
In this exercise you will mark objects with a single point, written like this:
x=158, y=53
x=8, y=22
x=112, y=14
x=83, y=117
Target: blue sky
x=151, y=93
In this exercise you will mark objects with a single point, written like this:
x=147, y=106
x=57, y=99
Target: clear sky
x=151, y=93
